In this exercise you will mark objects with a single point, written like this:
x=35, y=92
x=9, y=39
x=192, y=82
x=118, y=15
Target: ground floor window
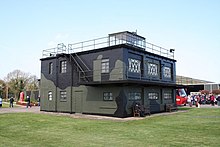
x=167, y=95
x=107, y=96
x=133, y=96
x=153, y=95
x=50, y=96
x=63, y=96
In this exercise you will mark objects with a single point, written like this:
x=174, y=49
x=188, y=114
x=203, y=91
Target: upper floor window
x=50, y=96
x=133, y=96
x=105, y=66
x=63, y=96
x=134, y=65
x=50, y=68
x=167, y=72
x=153, y=95
x=152, y=69
x=107, y=96
x=63, y=66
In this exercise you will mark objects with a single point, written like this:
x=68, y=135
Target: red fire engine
x=181, y=97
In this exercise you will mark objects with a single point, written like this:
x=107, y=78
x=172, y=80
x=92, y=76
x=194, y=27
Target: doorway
x=79, y=101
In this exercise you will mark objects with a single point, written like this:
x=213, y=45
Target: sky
x=191, y=27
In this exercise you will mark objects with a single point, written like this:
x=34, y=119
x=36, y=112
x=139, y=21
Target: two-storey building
x=107, y=75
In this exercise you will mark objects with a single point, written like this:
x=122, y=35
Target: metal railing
x=110, y=41
x=122, y=74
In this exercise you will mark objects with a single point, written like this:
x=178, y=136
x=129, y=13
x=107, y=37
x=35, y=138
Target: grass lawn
x=197, y=127
x=6, y=105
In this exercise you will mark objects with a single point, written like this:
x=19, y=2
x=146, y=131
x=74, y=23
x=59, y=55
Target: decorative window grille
x=152, y=69
x=167, y=72
x=134, y=65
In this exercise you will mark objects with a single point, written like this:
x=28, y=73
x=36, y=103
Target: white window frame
x=50, y=95
x=153, y=95
x=63, y=66
x=167, y=95
x=134, y=96
x=63, y=96
x=105, y=66
x=107, y=96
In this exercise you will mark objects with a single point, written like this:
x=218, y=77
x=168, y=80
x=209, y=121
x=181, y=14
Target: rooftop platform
x=129, y=38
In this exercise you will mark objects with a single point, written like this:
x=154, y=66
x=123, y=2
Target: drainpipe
x=57, y=71
x=71, y=91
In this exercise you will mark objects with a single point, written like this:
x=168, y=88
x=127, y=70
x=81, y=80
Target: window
x=152, y=69
x=167, y=72
x=105, y=66
x=167, y=95
x=50, y=96
x=134, y=65
x=107, y=96
x=63, y=96
x=133, y=96
x=153, y=95
x=50, y=68
x=63, y=66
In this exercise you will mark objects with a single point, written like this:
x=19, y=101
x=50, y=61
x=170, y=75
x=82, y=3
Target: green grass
x=6, y=105
x=196, y=127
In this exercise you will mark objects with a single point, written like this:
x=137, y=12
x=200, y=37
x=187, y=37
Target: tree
x=204, y=92
x=18, y=81
x=216, y=91
x=32, y=84
x=2, y=89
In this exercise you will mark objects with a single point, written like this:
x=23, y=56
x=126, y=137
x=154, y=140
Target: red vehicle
x=181, y=97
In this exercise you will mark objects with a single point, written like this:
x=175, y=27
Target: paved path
x=18, y=109
x=36, y=109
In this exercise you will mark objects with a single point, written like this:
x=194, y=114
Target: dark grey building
x=107, y=75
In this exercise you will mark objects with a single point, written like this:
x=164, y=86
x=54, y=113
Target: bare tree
x=32, y=84
x=18, y=81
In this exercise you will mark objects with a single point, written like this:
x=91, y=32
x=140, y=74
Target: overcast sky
x=191, y=27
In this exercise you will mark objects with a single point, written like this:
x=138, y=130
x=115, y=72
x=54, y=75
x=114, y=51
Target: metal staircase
x=82, y=71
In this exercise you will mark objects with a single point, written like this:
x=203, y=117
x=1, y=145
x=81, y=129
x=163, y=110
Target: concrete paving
x=35, y=109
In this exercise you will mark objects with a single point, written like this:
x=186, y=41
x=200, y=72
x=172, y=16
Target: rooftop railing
x=124, y=38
